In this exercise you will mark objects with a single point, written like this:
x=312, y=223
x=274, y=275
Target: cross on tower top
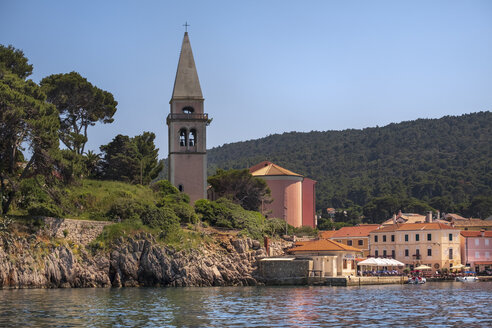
x=186, y=26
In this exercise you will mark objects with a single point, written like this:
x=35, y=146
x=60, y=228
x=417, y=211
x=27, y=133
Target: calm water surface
x=432, y=304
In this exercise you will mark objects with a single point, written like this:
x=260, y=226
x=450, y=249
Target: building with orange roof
x=330, y=258
x=405, y=218
x=431, y=243
x=357, y=236
x=293, y=195
x=476, y=250
x=326, y=234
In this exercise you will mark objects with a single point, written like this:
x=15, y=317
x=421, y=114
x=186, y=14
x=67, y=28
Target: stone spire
x=186, y=84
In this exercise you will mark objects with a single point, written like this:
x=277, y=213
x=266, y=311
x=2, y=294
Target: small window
x=429, y=252
x=406, y=252
x=384, y=253
x=429, y=237
x=360, y=242
x=393, y=254
x=477, y=242
x=392, y=238
x=406, y=237
x=417, y=237
x=486, y=242
x=384, y=238
x=450, y=252
x=180, y=188
x=192, y=138
x=376, y=238
x=450, y=237
x=477, y=254
x=182, y=137
x=376, y=253
x=349, y=242
x=188, y=110
x=417, y=252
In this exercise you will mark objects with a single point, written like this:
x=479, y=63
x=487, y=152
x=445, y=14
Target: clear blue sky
x=265, y=67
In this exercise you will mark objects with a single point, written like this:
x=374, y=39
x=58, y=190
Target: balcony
x=417, y=256
x=187, y=117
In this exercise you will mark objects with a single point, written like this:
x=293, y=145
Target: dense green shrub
x=164, y=187
x=276, y=227
x=44, y=209
x=162, y=218
x=123, y=209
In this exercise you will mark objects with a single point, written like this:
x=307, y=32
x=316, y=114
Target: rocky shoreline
x=27, y=262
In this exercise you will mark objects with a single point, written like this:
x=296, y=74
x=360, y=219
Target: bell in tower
x=187, y=126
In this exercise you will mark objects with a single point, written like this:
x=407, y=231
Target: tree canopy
x=240, y=186
x=132, y=160
x=80, y=105
x=440, y=162
x=26, y=120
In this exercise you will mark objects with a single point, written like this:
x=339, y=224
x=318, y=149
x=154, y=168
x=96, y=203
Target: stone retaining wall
x=78, y=231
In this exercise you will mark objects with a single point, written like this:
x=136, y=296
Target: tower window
x=182, y=137
x=180, y=188
x=188, y=110
x=192, y=138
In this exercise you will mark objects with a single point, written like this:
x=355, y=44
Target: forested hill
x=444, y=161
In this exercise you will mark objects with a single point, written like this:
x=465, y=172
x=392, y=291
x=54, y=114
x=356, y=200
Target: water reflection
x=433, y=304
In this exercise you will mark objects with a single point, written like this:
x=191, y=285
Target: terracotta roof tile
x=357, y=231
x=326, y=234
x=323, y=245
x=270, y=169
x=475, y=233
x=415, y=226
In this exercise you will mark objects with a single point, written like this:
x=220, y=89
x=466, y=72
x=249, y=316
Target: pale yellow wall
x=439, y=244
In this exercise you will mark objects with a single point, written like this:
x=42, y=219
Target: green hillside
x=444, y=162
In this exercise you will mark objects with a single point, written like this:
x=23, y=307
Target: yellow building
x=357, y=236
x=434, y=244
x=330, y=259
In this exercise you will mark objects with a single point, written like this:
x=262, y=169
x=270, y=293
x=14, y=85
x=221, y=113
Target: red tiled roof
x=472, y=233
x=323, y=245
x=415, y=226
x=357, y=231
x=326, y=234
x=270, y=169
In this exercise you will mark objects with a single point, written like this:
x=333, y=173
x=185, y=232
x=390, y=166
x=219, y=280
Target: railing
x=417, y=256
x=180, y=116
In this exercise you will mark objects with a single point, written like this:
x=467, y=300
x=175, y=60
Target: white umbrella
x=457, y=266
x=369, y=262
x=423, y=267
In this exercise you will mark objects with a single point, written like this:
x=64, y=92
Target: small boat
x=416, y=280
x=467, y=279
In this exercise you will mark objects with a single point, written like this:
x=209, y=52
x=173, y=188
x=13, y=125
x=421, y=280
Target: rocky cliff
x=37, y=261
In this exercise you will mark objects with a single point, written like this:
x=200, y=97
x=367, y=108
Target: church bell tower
x=187, y=126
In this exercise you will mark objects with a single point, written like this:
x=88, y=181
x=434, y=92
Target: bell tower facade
x=187, y=127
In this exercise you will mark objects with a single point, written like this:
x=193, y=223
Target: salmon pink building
x=476, y=250
x=293, y=195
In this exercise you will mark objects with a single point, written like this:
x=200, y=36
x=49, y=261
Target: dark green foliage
x=120, y=160
x=80, y=105
x=44, y=209
x=449, y=158
x=26, y=121
x=126, y=209
x=13, y=60
x=276, y=227
x=180, y=204
x=225, y=213
x=131, y=160
x=162, y=218
x=164, y=188
x=240, y=186
x=481, y=207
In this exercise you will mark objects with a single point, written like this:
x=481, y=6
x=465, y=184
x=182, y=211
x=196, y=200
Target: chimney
x=399, y=213
x=438, y=215
x=428, y=218
x=394, y=218
x=482, y=232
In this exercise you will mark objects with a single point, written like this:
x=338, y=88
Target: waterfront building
x=432, y=243
x=293, y=195
x=476, y=250
x=462, y=223
x=405, y=218
x=330, y=258
x=357, y=236
x=187, y=127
